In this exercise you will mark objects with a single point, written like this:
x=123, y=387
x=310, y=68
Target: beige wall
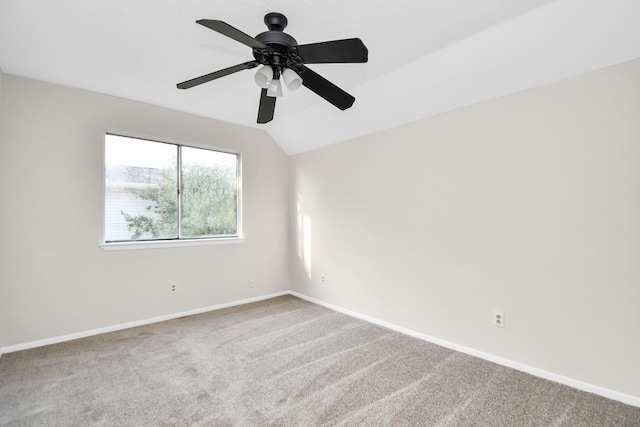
x=2, y=209
x=54, y=279
x=528, y=204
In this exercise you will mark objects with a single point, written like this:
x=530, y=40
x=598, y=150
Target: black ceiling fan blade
x=336, y=51
x=217, y=74
x=267, y=107
x=324, y=88
x=232, y=32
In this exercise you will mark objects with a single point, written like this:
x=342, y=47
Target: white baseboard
x=92, y=332
x=580, y=385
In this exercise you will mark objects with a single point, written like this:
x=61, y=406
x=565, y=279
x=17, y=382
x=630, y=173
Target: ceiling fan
x=282, y=57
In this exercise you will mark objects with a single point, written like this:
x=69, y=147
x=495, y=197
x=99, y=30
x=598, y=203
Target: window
x=158, y=191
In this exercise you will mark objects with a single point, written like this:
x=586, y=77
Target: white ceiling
x=425, y=56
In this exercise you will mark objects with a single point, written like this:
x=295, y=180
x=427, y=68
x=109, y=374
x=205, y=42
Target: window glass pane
x=140, y=189
x=209, y=193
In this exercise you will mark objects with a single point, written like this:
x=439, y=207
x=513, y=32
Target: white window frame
x=180, y=241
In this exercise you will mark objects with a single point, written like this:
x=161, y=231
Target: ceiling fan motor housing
x=284, y=53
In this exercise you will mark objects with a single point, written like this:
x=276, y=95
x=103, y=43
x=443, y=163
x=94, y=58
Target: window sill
x=124, y=246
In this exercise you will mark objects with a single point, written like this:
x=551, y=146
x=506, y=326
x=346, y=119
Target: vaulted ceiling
x=425, y=56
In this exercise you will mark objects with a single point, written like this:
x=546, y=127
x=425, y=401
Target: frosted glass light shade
x=264, y=76
x=291, y=79
x=274, y=89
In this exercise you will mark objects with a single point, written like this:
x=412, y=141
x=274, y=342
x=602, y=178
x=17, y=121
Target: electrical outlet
x=323, y=279
x=252, y=283
x=173, y=288
x=498, y=318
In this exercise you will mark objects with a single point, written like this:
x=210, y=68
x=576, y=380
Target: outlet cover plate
x=498, y=318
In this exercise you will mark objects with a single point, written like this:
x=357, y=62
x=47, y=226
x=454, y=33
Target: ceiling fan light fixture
x=274, y=89
x=264, y=76
x=281, y=55
x=291, y=79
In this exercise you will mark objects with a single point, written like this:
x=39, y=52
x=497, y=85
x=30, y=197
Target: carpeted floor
x=280, y=362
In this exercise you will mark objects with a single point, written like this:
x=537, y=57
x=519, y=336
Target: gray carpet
x=280, y=362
